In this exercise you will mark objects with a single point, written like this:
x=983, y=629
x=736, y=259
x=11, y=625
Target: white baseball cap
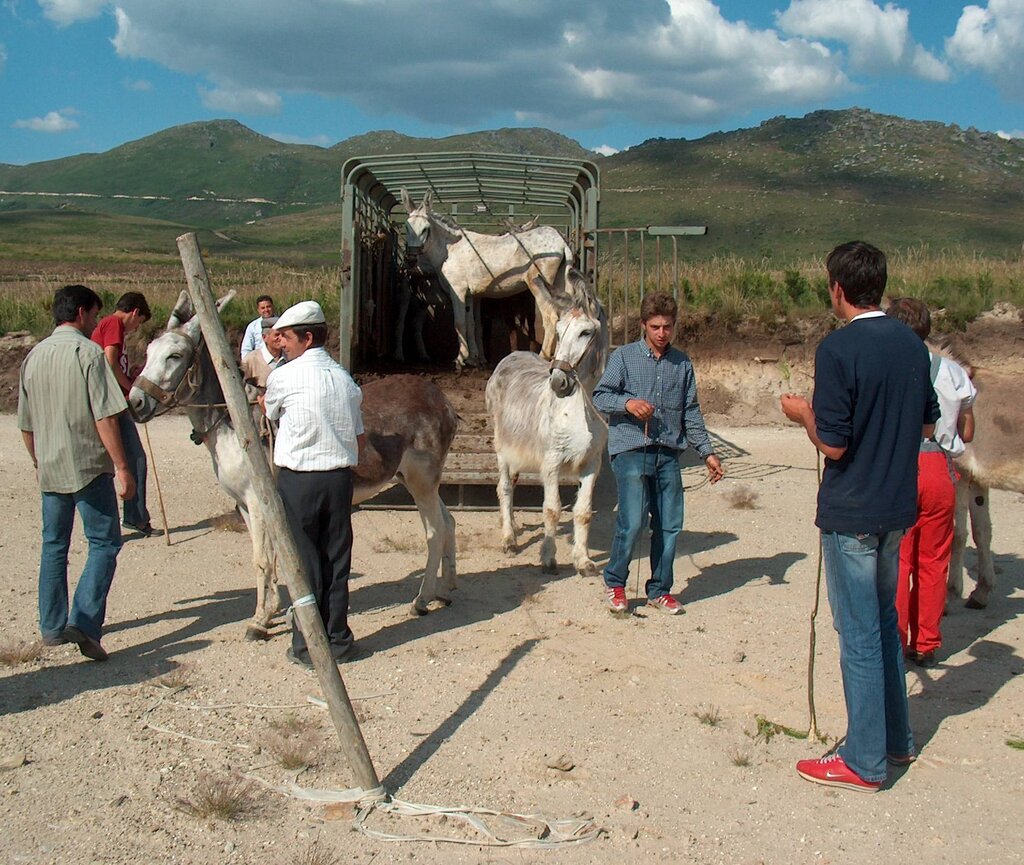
x=305, y=312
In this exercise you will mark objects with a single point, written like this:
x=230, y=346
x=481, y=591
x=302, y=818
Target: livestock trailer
x=486, y=192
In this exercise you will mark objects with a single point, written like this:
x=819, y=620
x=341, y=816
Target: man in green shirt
x=68, y=402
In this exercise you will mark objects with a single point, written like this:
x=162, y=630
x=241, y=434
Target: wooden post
x=303, y=605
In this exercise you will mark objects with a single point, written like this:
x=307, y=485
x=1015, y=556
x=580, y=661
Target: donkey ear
x=192, y=330
x=181, y=313
x=407, y=201
x=226, y=299
x=428, y=199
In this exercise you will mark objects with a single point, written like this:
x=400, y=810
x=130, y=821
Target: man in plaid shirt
x=649, y=394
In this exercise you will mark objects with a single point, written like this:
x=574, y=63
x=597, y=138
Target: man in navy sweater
x=873, y=403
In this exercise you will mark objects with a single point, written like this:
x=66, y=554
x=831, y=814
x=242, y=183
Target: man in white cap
x=320, y=434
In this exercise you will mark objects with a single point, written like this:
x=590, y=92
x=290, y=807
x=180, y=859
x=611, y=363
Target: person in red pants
x=926, y=548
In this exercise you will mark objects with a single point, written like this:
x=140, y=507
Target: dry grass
x=292, y=741
x=316, y=855
x=740, y=759
x=222, y=797
x=389, y=544
x=291, y=752
x=709, y=715
x=742, y=498
x=12, y=654
x=291, y=725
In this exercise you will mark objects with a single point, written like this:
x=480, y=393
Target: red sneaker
x=667, y=604
x=616, y=597
x=832, y=771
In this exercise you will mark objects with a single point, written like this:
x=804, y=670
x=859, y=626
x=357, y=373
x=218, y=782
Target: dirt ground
x=524, y=696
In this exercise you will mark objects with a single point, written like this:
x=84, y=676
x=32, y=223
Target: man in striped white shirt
x=320, y=434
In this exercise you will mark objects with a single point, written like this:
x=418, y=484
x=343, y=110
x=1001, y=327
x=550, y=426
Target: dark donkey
x=409, y=426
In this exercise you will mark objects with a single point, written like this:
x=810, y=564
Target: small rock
x=14, y=761
x=627, y=802
x=97, y=715
x=562, y=764
x=740, y=656
x=229, y=847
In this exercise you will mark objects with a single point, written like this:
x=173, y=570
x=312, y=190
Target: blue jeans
x=861, y=572
x=648, y=481
x=97, y=503
x=135, y=511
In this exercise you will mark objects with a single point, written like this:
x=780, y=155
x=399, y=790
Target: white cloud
x=878, y=39
x=564, y=63
x=241, y=100
x=1009, y=136
x=66, y=12
x=140, y=85
x=53, y=122
x=991, y=40
x=606, y=150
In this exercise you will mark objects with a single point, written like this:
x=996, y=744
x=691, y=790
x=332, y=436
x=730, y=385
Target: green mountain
x=788, y=188
x=796, y=185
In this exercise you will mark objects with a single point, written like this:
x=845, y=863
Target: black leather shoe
x=295, y=659
x=53, y=640
x=86, y=645
x=145, y=530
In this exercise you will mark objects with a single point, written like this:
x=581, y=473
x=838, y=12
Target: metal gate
x=634, y=261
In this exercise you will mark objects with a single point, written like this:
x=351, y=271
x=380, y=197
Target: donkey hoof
x=509, y=548
x=418, y=608
x=972, y=603
x=549, y=567
x=255, y=633
x=586, y=569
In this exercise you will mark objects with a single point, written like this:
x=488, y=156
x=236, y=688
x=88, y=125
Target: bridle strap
x=154, y=390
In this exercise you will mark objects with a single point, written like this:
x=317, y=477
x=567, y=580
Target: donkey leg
x=981, y=529
x=459, y=314
x=552, y=511
x=266, y=576
x=581, y=515
x=428, y=501
x=448, y=553
x=506, y=491
x=955, y=579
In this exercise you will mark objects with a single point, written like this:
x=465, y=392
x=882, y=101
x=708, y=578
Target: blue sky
x=87, y=75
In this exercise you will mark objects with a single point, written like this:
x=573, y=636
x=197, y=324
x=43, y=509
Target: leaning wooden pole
x=289, y=564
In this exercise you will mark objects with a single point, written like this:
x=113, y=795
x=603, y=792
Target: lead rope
x=812, y=727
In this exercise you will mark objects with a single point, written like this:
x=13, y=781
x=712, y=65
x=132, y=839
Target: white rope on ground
x=532, y=831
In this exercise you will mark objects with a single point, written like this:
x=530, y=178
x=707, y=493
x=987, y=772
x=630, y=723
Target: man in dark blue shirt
x=873, y=402
x=649, y=394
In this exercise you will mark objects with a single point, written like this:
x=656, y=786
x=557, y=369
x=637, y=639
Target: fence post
x=290, y=565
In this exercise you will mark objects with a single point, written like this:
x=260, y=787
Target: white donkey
x=545, y=421
x=992, y=461
x=409, y=426
x=474, y=265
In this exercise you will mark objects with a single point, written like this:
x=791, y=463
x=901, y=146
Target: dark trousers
x=319, y=510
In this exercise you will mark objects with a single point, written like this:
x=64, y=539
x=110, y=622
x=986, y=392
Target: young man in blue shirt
x=873, y=402
x=649, y=394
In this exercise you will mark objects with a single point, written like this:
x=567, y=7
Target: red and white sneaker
x=616, y=597
x=832, y=771
x=667, y=604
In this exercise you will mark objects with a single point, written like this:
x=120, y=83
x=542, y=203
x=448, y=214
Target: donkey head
x=163, y=382
x=417, y=224
x=577, y=359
